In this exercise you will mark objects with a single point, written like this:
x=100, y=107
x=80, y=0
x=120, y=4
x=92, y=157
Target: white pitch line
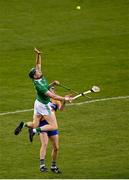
x=99, y=100
x=72, y=104
x=15, y=112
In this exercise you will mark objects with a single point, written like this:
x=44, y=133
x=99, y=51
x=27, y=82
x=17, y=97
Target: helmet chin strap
x=39, y=77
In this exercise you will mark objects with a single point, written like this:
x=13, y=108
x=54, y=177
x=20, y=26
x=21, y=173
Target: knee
x=44, y=145
x=56, y=148
x=35, y=124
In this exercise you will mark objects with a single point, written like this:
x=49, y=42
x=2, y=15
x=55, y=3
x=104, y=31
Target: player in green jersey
x=42, y=103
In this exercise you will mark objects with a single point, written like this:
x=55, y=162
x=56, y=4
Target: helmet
x=32, y=73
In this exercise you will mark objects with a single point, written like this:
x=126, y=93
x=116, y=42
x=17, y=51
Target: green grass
x=80, y=48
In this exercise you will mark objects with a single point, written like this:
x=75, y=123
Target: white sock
x=34, y=130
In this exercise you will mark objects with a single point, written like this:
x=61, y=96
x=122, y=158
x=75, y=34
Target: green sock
x=37, y=130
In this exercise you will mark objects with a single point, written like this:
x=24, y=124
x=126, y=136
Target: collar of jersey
x=38, y=79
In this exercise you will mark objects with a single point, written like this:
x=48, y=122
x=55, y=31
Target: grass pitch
x=80, y=48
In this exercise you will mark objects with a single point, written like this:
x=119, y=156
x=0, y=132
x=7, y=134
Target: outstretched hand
x=68, y=99
x=37, y=51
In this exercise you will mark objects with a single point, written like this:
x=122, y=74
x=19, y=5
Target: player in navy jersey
x=53, y=136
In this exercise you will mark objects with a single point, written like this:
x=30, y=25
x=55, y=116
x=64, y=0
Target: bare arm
x=62, y=106
x=54, y=96
x=38, y=59
x=57, y=97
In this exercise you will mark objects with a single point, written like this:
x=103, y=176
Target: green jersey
x=41, y=86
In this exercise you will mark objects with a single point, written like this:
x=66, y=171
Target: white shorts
x=42, y=109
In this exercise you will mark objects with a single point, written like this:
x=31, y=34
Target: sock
x=53, y=163
x=42, y=163
x=37, y=130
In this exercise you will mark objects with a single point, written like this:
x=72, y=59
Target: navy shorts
x=49, y=133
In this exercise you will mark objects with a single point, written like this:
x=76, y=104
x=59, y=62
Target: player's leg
x=44, y=143
x=34, y=124
x=54, y=137
x=55, y=147
x=49, y=116
x=52, y=124
x=51, y=119
x=36, y=118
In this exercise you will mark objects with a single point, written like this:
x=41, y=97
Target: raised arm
x=38, y=59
